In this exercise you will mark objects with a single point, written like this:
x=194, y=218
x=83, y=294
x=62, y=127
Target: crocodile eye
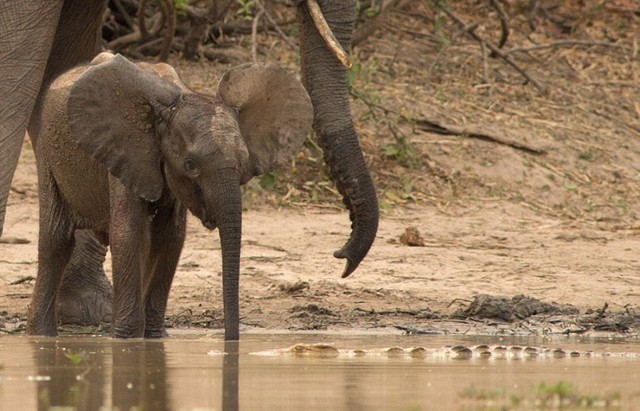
x=191, y=168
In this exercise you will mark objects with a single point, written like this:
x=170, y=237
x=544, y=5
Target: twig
x=449, y=129
x=533, y=13
x=14, y=240
x=21, y=280
x=417, y=331
x=563, y=43
x=142, y=24
x=373, y=24
x=127, y=18
x=434, y=126
x=254, y=30
x=170, y=30
x=504, y=26
x=494, y=49
x=286, y=39
x=485, y=63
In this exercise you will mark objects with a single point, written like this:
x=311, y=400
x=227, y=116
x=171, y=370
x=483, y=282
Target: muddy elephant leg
x=55, y=244
x=129, y=241
x=167, y=239
x=85, y=296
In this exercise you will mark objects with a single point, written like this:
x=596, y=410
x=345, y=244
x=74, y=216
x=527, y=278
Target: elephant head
x=153, y=133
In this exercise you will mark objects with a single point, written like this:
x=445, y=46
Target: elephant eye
x=191, y=168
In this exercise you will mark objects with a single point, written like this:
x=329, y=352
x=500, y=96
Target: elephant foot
x=85, y=307
x=162, y=333
x=85, y=296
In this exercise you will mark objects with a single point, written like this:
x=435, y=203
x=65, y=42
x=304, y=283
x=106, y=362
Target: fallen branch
x=504, y=26
x=435, y=126
x=170, y=32
x=564, y=43
x=286, y=39
x=374, y=23
x=254, y=30
x=470, y=30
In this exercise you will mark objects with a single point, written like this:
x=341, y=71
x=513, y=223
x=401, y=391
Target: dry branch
x=504, y=25
x=286, y=39
x=373, y=24
x=469, y=29
x=438, y=127
x=434, y=126
x=170, y=31
x=254, y=30
x=564, y=43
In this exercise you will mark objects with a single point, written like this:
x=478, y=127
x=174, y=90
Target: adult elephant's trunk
x=226, y=200
x=326, y=81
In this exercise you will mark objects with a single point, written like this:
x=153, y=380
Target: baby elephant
x=126, y=149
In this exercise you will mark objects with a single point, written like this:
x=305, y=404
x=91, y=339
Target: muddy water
x=189, y=372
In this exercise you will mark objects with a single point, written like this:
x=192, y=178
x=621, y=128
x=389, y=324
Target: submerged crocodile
x=451, y=352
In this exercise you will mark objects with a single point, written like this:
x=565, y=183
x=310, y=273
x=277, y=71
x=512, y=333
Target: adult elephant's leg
x=326, y=81
x=85, y=295
x=26, y=34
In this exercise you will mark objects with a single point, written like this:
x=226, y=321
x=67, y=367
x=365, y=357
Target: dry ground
x=545, y=205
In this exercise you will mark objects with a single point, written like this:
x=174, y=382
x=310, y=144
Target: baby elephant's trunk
x=226, y=199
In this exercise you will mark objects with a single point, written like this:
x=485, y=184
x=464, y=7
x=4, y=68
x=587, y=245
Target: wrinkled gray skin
x=127, y=149
x=41, y=39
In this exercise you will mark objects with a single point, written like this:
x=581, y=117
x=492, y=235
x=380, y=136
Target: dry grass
x=421, y=66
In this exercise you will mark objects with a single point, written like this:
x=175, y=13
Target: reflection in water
x=139, y=376
x=67, y=375
x=88, y=373
x=230, y=373
x=78, y=374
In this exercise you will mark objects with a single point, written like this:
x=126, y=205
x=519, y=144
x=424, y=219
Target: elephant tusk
x=327, y=35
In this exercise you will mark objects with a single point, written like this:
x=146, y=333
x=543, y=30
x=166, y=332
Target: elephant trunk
x=226, y=201
x=326, y=81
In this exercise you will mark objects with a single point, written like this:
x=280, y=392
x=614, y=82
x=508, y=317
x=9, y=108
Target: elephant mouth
x=208, y=223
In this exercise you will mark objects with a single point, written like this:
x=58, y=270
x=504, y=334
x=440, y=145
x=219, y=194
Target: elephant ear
x=112, y=108
x=274, y=113
x=166, y=72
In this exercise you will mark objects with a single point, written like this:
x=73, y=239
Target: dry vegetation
x=550, y=118
x=506, y=131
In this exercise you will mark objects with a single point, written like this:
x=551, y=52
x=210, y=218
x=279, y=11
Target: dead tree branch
x=504, y=25
x=125, y=15
x=373, y=24
x=439, y=127
x=170, y=31
x=471, y=32
x=254, y=30
x=434, y=126
x=286, y=39
x=565, y=43
x=142, y=24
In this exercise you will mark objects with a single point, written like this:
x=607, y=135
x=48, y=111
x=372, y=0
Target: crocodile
x=459, y=352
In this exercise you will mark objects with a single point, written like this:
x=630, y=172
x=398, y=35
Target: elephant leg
x=85, y=296
x=55, y=245
x=129, y=240
x=26, y=33
x=167, y=239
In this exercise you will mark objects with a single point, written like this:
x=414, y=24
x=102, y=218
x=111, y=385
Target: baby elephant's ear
x=112, y=108
x=274, y=113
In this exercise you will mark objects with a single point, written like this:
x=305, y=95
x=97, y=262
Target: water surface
x=190, y=373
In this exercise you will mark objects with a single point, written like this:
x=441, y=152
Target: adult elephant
x=41, y=39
